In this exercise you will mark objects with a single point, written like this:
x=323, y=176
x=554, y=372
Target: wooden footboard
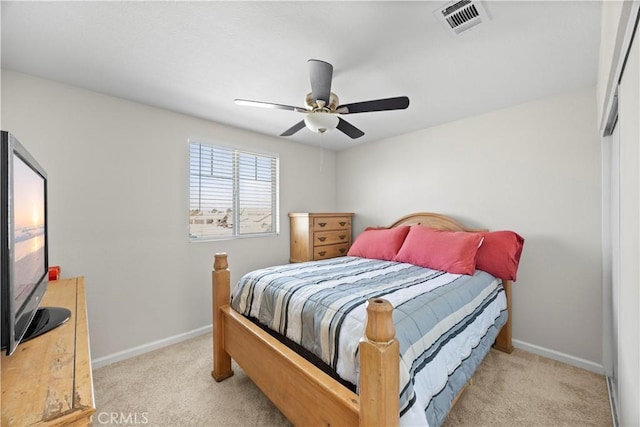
x=302, y=392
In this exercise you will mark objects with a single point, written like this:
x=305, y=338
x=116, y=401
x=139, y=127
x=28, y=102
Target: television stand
x=47, y=380
x=46, y=319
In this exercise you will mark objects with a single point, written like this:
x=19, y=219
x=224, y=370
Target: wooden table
x=47, y=381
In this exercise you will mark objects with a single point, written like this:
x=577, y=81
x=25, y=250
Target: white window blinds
x=233, y=193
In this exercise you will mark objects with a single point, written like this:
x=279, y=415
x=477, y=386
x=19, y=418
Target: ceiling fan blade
x=349, y=129
x=320, y=73
x=293, y=129
x=247, y=102
x=398, y=103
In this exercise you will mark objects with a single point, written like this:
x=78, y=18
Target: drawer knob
x=342, y=223
x=322, y=224
x=342, y=250
x=322, y=239
x=342, y=236
x=322, y=253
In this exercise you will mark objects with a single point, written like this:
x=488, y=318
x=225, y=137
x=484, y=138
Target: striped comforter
x=445, y=323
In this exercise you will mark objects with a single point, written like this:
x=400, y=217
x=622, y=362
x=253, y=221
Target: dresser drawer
x=331, y=223
x=330, y=237
x=330, y=251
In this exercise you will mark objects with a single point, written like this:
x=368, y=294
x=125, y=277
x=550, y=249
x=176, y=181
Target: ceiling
x=197, y=57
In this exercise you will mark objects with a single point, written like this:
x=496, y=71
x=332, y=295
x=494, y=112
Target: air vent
x=462, y=15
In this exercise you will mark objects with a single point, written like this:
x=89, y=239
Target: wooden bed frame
x=300, y=390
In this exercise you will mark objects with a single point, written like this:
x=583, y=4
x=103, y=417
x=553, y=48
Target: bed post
x=220, y=287
x=379, y=367
x=503, y=340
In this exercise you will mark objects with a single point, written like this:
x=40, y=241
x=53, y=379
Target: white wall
x=535, y=169
x=118, y=210
x=118, y=213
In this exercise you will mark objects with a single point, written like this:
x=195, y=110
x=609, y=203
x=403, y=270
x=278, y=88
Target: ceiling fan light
x=321, y=122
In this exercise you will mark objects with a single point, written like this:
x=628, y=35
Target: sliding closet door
x=611, y=264
x=628, y=322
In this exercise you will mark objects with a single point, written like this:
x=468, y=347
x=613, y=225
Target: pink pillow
x=450, y=251
x=500, y=253
x=379, y=243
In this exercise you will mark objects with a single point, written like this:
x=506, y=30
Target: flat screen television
x=24, y=264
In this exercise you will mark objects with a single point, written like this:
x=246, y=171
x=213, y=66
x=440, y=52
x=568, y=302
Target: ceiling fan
x=323, y=106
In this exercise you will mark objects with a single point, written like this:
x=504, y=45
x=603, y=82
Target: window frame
x=274, y=194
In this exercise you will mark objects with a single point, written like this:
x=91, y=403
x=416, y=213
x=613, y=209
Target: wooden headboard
x=433, y=220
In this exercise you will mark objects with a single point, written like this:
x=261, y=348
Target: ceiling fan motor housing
x=313, y=105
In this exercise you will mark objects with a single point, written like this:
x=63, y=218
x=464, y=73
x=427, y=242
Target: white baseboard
x=136, y=351
x=560, y=357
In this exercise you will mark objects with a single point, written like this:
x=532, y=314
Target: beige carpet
x=173, y=387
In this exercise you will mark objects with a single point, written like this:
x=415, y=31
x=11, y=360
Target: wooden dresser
x=317, y=236
x=47, y=381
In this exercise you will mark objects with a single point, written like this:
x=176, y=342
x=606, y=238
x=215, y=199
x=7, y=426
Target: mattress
x=445, y=323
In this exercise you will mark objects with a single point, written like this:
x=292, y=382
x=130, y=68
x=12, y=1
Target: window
x=232, y=193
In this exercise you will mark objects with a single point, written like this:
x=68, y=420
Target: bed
x=354, y=370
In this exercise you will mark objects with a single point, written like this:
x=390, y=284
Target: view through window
x=233, y=193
